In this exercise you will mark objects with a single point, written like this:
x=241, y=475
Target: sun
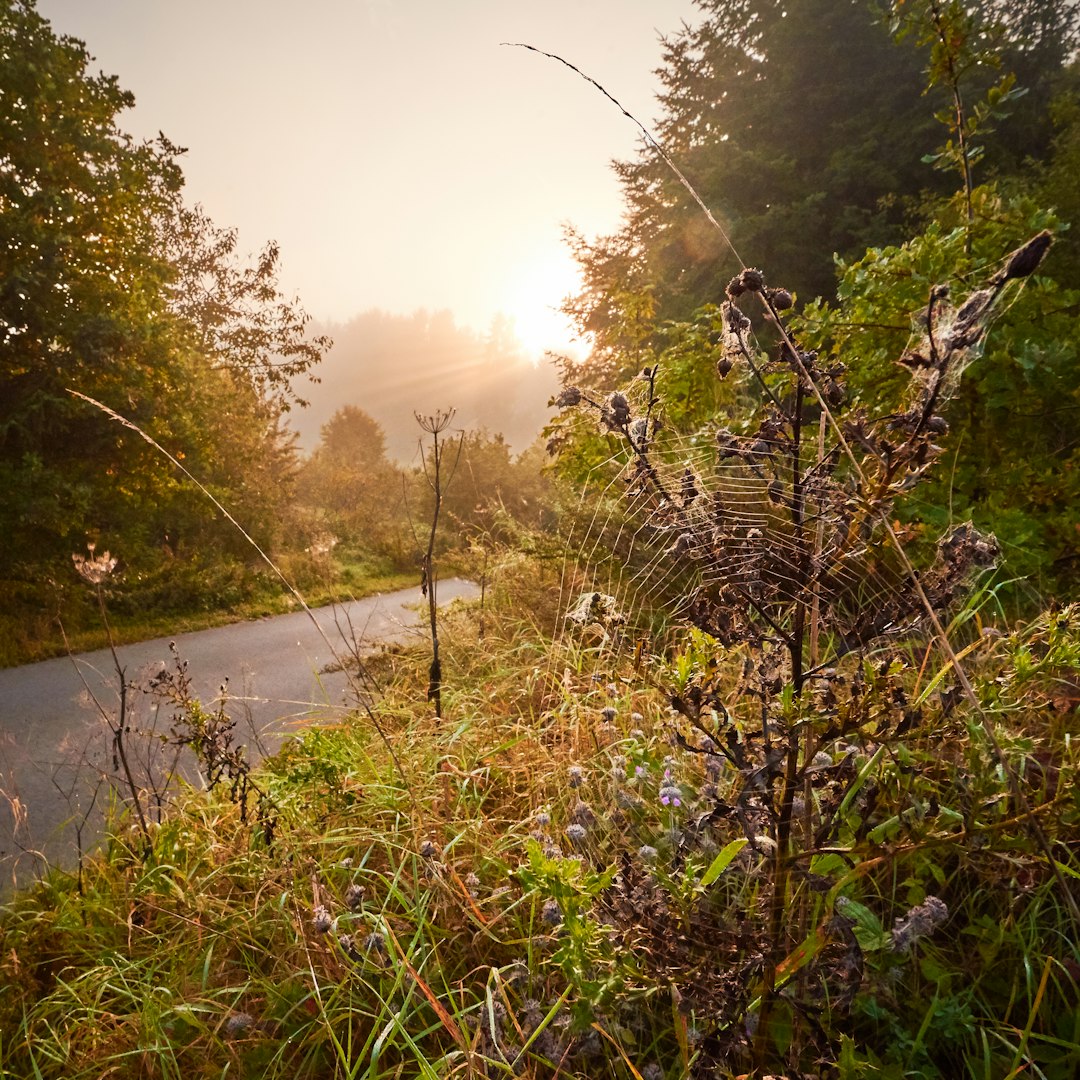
x=532, y=300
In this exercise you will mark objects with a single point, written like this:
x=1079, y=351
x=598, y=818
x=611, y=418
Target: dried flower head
x=429, y=849
x=921, y=920
x=576, y=833
x=354, y=897
x=348, y=946
x=551, y=913
x=568, y=397
x=575, y=776
x=616, y=410
x=238, y=1024
x=94, y=570
x=608, y=714
x=321, y=920
x=1025, y=260
x=781, y=299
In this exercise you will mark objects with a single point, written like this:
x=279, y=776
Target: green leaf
x=722, y=861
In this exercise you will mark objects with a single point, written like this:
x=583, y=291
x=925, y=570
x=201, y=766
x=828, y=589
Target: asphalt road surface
x=55, y=716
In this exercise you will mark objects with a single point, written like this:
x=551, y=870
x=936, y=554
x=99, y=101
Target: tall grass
x=554, y=891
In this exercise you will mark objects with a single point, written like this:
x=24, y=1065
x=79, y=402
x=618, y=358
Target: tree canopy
x=833, y=130
x=110, y=286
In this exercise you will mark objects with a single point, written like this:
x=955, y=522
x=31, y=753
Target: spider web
x=709, y=525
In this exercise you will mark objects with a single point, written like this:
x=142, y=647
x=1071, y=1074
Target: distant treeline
x=394, y=365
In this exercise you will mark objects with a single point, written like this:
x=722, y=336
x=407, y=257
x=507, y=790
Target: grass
x=531, y=905
x=177, y=601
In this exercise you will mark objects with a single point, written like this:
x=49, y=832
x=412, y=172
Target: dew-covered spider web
x=745, y=538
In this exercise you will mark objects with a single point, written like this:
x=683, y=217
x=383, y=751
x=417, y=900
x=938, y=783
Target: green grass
x=187, y=599
x=495, y=940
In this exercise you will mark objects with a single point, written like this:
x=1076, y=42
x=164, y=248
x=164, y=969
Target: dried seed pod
x=781, y=299
x=752, y=280
x=1025, y=260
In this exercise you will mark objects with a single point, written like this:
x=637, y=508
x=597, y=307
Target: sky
x=401, y=155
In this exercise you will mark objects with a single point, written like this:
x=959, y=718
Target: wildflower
x=348, y=946
x=428, y=849
x=354, y=897
x=569, y=397
x=608, y=715
x=582, y=813
x=647, y=853
x=238, y=1024
x=575, y=775
x=575, y=833
x=472, y=883
x=551, y=913
x=543, y=819
x=320, y=919
x=670, y=795
x=636, y=718
x=918, y=922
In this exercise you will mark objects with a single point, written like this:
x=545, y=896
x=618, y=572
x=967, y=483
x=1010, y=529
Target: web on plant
x=635, y=562
x=745, y=536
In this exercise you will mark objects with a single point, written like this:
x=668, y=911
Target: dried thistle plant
x=785, y=539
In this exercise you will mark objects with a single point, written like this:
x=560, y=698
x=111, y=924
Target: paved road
x=54, y=740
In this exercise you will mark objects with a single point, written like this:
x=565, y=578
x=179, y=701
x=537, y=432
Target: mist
x=393, y=366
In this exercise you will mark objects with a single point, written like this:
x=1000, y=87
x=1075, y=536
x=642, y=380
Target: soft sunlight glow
x=532, y=300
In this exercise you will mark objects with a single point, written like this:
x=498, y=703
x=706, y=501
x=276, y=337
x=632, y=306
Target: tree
x=241, y=321
x=349, y=481
x=82, y=298
x=790, y=198
x=110, y=287
x=803, y=127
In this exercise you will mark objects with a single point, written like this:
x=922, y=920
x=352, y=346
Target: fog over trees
x=393, y=365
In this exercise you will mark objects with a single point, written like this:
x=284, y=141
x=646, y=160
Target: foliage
x=110, y=286
x=1013, y=467
x=408, y=928
x=351, y=487
x=1012, y=416
x=801, y=126
x=241, y=321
